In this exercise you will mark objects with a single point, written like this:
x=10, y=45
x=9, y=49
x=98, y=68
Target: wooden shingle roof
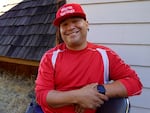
x=26, y=30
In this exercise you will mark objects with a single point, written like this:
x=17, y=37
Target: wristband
x=101, y=89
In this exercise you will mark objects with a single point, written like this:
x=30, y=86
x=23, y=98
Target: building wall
x=124, y=26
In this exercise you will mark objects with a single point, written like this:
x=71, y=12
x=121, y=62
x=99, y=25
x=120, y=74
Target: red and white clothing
x=75, y=69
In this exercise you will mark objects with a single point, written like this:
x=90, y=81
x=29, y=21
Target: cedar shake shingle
x=26, y=30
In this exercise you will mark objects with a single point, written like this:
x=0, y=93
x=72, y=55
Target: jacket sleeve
x=45, y=80
x=121, y=71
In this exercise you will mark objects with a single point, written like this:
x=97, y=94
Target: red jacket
x=74, y=69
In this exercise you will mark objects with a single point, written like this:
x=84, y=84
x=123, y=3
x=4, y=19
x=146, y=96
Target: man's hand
x=89, y=97
x=79, y=109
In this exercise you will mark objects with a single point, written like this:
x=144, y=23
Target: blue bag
x=33, y=107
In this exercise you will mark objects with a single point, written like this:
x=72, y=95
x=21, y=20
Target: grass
x=15, y=91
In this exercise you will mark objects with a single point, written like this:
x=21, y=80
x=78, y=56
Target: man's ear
x=87, y=25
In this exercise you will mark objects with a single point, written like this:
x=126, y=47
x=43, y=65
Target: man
x=69, y=73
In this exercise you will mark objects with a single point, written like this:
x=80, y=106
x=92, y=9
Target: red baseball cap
x=67, y=11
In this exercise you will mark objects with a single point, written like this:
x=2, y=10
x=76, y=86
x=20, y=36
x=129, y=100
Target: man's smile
x=72, y=32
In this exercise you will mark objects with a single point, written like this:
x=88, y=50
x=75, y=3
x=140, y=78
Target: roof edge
x=19, y=61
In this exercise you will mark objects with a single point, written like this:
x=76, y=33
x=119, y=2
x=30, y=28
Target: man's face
x=74, y=32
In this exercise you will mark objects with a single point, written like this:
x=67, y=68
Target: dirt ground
x=15, y=92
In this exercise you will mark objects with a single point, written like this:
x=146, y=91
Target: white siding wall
x=124, y=26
